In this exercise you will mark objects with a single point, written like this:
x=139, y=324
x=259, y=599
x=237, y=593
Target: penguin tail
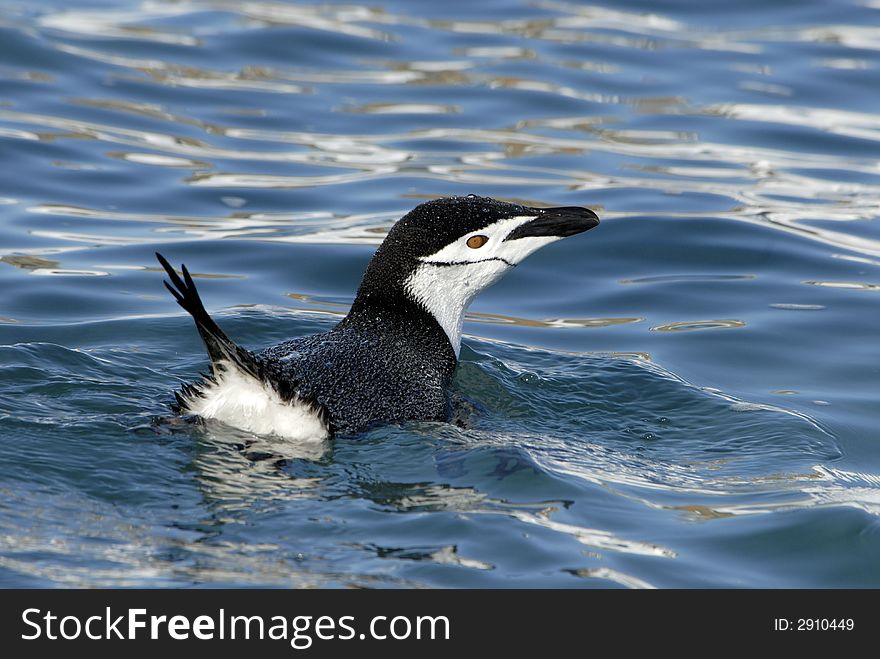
x=220, y=347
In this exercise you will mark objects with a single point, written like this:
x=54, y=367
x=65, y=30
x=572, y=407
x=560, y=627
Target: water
x=685, y=396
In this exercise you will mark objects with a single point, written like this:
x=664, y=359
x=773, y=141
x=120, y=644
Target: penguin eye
x=475, y=242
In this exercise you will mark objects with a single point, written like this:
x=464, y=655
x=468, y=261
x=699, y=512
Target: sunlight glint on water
x=686, y=396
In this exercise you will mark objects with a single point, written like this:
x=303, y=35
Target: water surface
x=684, y=397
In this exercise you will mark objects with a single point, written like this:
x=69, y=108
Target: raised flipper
x=220, y=347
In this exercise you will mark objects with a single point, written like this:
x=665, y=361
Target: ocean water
x=686, y=396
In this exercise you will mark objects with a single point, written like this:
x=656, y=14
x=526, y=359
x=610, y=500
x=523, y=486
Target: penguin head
x=441, y=254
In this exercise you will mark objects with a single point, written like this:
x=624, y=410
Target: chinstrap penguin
x=392, y=358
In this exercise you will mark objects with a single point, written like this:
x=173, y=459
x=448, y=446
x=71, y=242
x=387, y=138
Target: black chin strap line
x=450, y=263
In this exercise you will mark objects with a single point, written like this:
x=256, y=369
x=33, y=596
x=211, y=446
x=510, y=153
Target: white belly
x=242, y=401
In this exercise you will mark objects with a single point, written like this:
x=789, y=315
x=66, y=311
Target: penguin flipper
x=220, y=347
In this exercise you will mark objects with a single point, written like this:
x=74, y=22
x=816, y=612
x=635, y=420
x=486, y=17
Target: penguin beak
x=556, y=223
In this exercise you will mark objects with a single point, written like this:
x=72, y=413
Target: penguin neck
x=393, y=312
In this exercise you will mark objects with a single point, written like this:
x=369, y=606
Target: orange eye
x=475, y=242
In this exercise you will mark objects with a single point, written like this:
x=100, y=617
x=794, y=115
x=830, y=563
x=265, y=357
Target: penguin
x=392, y=358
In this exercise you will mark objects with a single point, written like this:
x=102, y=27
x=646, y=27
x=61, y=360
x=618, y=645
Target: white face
x=447, y=281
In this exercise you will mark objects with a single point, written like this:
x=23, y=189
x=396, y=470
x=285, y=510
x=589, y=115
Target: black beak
x=556, y=223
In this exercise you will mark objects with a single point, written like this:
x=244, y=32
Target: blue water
x=686, y=396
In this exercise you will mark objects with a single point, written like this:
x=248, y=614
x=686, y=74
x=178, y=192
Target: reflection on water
x=798, y=307
x=663, y=279
x=29, y=262
x=854, y=285
x=752, y=177
x=238, y=472
x=548, y=323
x=447, y=555
x=688, y=325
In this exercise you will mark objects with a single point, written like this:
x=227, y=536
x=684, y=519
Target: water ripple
x=732, y=155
